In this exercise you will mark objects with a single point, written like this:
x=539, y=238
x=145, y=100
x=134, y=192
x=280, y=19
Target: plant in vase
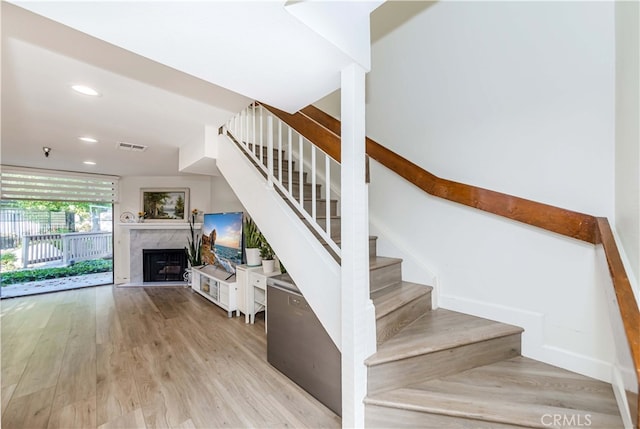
x=252, y=242
x=194, y=248
x=141, y=216
x=194, y=215
x=268, y=257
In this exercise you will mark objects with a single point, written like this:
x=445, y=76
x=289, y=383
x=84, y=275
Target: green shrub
x=8, y=261
x=78, y=269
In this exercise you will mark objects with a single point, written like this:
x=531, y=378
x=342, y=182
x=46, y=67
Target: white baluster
x=253, y=124
x=313, y=182
x=290, y=156
x=327, y=192
x=26, y=243
x=300, y=160
x=280, y=151
x=270, y=151
x=260, y=155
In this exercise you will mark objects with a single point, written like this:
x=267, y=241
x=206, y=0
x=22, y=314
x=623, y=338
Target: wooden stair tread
x=334, y=201
x=376, y=262
x=517, y=391
x=439, y=330
x=323, y=217
x=392, y=297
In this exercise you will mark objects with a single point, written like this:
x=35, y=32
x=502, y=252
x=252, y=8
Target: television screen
x=222, y=240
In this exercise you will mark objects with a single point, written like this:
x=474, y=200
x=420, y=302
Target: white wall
x=517, y=97
x=628, y=134
x=207, y=194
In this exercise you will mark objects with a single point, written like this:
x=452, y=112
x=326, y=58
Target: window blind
x=21, y=183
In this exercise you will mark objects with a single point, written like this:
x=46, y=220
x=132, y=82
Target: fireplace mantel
x=153, y=235
x=159, y=225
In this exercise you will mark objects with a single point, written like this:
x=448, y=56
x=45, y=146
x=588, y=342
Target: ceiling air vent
x=131, y=147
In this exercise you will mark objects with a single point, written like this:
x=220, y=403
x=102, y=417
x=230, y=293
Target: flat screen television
x=222, y=240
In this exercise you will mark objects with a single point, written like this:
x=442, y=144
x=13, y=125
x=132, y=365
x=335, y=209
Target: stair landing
x=516, y=392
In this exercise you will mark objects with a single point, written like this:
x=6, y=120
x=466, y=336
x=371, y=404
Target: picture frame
x=165, y=204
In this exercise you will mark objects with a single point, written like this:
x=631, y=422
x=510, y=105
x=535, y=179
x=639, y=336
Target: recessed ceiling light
x=83, y=89
x=88, y=139
x=89, y=163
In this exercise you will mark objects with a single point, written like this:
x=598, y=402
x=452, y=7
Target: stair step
x=440, y=342
x=307, y=188
x=321, y=206
x=295, y=177
x=384, y=272
x=515, y=392
x=335, y=226
x=398, y=306
x=285, y=166
x=265, y=149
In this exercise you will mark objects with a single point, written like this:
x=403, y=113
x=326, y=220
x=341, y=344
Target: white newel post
x=357, y=312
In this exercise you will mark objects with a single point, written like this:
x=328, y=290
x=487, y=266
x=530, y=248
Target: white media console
x=218, y=286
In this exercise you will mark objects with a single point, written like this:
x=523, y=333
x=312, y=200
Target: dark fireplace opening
x=163, y=265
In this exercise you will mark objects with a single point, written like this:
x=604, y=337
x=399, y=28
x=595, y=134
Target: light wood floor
x=109, y=357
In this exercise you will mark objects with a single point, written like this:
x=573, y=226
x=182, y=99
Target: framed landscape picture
x=165, y=204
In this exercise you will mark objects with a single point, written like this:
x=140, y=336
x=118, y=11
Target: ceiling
x=145, y=102
x=141, y=102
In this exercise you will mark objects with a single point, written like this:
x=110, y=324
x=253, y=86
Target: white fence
x=72, y=247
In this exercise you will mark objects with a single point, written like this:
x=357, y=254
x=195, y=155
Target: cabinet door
x=195, y=280
x=241, y=284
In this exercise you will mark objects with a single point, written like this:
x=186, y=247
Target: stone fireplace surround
x=153, y=236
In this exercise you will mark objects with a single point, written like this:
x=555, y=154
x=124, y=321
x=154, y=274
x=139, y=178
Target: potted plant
x=194, y=248
x=252, y=242
x=268, y=257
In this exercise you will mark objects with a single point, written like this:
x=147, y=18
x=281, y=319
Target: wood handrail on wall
x=315, y=125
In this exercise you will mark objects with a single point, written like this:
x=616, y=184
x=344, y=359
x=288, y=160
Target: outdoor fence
x=16, y=223
x=67, y=248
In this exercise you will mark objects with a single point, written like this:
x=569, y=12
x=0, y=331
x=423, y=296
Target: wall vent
x=131, y=147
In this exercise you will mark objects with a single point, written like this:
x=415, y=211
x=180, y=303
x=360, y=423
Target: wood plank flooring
x=109, y=357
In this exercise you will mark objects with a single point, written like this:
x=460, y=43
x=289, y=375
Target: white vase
x=253, y=257
x=268, y=265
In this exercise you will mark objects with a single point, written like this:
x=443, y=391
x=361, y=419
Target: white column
x=356, y=309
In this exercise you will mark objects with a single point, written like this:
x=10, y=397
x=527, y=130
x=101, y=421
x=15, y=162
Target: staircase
x=443, y=369
x=436, y=368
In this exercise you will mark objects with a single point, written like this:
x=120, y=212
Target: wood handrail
x=627, y=304
x=551, y=218
x=323, y=138
x=595, y=230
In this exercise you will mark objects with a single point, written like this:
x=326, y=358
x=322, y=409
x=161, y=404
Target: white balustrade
x=83, y=246
x=37, y=248
x=76, y=247
x=258, y=132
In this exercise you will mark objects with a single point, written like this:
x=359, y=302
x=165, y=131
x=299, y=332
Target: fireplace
x=163, y=265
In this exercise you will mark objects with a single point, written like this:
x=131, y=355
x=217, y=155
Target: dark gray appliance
x=299, y=346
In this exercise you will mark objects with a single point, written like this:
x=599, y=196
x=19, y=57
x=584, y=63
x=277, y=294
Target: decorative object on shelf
x=141, y=216
x=268, y=257
x=165, y=204
x=127, y=217
x=194, y=248
x=252, y=242
x=194, y=215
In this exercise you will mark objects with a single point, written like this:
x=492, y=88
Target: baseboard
x=153, y=284
x=533, y=337
x=622, y=399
